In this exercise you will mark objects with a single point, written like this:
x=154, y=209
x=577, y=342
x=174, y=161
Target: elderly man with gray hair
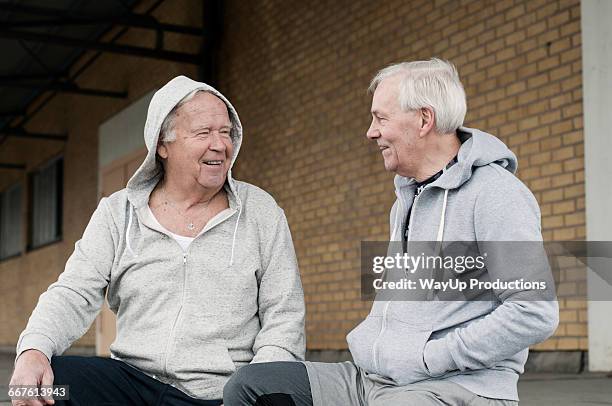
x=452, y=183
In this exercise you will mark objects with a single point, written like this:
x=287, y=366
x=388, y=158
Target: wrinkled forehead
x=386, y=95
x=204, y=103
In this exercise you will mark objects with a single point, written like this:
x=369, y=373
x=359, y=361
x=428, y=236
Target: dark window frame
x=59, y=160
x=20, y=210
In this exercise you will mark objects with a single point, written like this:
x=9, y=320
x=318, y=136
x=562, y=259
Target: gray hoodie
x=481, y=345
x=186, y=318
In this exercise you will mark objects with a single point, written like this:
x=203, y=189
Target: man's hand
x=32, y=368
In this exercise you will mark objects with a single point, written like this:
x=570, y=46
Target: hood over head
x=150, y=172
x=141, y=184
x=477, y=149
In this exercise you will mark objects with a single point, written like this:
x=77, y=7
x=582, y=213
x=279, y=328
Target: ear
x=162, y=150
x=428, y=120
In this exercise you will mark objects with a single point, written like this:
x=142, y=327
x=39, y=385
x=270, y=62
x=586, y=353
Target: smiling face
x=397, y=133
x=202, y=150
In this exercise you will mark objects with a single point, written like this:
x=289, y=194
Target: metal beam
x=91, y=59
x=35, y=76
x=64, y=17
x=62, y=87
x=10, y=114
x=212, y=21
x=21, y=133
x=6, y=165
x=101, y=46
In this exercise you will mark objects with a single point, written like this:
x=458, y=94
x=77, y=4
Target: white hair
x=434, y=83
x=166, y=132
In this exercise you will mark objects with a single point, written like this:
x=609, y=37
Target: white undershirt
x=181, y=239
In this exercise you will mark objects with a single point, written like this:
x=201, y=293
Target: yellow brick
x=550, y=143
x=563, y=153
x=539, y=80
x=539, y=132
x=573, y=191
x=548, y=345
x=566, y=343
x=573, y=164
x=552, y=195
x=574, y=219
x=564, y=207
x=552, y=222
x=562, y=180
x=563, y=235
x=540, y=184
x=575, y=303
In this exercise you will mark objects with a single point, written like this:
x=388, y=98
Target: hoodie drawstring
x=395, y=222
x=127, y=231
x=431, y=294
x=235, y=232
x=442, y=215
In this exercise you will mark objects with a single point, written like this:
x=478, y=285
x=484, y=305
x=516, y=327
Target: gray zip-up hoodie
x=481, y=345
x=186, y=318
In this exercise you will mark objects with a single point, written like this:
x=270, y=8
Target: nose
x=216, y=142
x=372, y=133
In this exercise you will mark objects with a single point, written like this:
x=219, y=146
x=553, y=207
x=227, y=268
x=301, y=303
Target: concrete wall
x=122, y=134
x=597, y=62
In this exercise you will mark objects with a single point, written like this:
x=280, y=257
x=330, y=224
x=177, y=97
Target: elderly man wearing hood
x=199, y=268
x=456, y=191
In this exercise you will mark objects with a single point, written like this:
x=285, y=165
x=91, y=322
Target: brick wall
x=298, y=72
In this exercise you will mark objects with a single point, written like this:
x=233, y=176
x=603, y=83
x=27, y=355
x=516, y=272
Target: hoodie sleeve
x=66, y=310
x=281, y=299
x=505, y=211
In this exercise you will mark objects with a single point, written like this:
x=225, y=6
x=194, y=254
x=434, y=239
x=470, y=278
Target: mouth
x=382, y=147
x=213, y=162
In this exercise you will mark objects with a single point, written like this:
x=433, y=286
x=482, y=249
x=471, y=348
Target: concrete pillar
x=597, y=86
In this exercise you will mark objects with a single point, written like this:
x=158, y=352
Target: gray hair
x=434, y=83
x=166, y=133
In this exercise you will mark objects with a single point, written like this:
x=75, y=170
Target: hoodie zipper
x=383, y=326
x=180, y=311
x=178, y=315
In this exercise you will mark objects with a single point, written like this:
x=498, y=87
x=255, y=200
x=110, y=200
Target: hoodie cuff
x=270, y=353
x=437, y=358
x=35, y=341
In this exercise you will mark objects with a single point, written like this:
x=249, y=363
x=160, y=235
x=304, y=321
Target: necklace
x=190, y=226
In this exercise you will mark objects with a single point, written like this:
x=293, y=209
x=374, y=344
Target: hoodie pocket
x=361, y=341
x=192, y=357
x=401, y=351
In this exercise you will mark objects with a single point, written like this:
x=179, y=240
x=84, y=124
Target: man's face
x=203, y=147
x=396, y=132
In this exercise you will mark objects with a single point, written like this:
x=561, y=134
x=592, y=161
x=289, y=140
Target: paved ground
x=565, y=389
x=534, y=389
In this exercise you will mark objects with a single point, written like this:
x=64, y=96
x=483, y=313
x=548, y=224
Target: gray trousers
x=339, y=384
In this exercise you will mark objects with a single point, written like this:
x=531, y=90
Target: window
x=10, y=221
x=46, y=204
